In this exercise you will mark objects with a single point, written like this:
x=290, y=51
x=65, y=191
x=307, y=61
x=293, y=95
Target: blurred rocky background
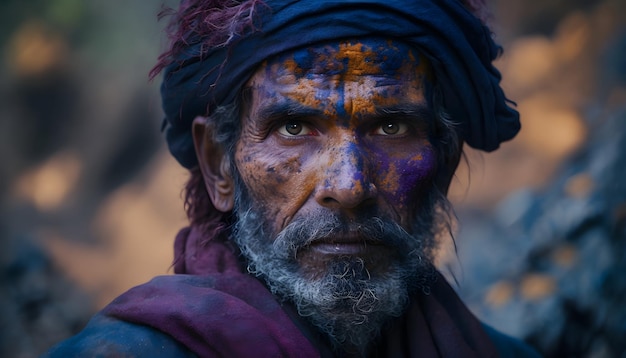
x=90, y=200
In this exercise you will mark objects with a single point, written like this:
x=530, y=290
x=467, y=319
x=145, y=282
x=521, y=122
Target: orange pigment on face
x=344, y=84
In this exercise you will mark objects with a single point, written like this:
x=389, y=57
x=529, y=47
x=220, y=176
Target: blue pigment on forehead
x=382, y=58
x=332, y=59
x=303, y=59
x=340, y=106
x=392, y=59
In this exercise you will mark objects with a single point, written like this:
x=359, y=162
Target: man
x=321, y=137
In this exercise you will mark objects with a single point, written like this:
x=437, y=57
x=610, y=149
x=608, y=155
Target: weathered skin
x=339, y=128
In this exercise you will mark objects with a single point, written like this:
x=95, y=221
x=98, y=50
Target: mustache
x=319, y=227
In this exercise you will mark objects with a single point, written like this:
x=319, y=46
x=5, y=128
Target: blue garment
x=458, y=45
x=109, y=337
x=508, y=346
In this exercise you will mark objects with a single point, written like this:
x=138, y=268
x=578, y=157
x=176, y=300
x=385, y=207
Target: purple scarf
x=215, y=309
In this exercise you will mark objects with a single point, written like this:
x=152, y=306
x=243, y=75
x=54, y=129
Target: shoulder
x=508, y=346
x=109, y=337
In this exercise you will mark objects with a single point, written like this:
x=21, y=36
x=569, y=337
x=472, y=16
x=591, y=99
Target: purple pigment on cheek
x=400, y=179
x=414, y=174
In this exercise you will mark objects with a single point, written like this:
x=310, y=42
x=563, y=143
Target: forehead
x=349, y=60
x=363, y=57
x=345, y=78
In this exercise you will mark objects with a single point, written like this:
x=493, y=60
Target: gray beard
x=347, y=302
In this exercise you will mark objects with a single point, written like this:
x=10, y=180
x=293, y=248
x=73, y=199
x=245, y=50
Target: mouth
x=344, y=245
x=316, y=258
x=339, y=248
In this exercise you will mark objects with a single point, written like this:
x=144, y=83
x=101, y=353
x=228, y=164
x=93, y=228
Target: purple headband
x=458, y=45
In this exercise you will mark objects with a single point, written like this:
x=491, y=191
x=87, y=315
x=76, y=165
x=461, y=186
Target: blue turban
x=458, y=45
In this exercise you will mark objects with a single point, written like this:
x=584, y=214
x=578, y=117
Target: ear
x=214, y=165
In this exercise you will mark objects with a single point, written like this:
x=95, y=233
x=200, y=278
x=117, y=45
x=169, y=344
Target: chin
x=349, y=302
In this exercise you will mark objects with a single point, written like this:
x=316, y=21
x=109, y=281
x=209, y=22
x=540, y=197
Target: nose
x=346, y=182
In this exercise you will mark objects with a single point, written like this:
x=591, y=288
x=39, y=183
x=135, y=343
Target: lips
x=344, y=245
x=316, y=259
x=339, y=248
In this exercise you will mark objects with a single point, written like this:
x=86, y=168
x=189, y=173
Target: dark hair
x=214, y=22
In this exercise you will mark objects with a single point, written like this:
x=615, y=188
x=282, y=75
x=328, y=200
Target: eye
x=391, y=128
x=295, y=128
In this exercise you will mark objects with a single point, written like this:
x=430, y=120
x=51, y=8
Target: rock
x=552, y=263
x=38, y=305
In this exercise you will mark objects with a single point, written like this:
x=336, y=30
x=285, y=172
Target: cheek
x=274, y=178
x=262, y=171
x=404, y=179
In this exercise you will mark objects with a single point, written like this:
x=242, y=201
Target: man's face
x=337, y=169
x=338, y=129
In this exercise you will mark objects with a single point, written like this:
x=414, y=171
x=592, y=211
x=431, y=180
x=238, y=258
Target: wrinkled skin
x=339, y=129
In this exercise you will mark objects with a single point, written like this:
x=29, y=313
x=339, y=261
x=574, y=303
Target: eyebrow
x=285, y=110
x=294, y=110
x=408, y=110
